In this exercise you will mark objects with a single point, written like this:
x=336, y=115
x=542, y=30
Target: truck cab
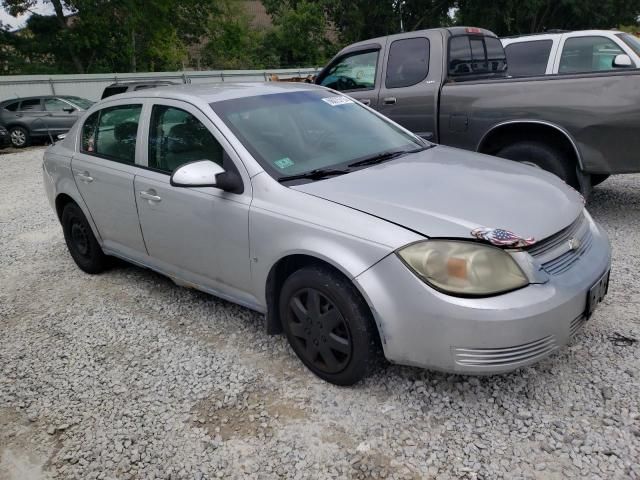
x=400, y=75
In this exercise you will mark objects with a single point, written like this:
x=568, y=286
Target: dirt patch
x=261, y=416
x=24, y=450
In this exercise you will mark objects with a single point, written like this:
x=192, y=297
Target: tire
x=19, y=137
x=328, y=325
x=543, y=156
x=82, y=244
x=598, y=178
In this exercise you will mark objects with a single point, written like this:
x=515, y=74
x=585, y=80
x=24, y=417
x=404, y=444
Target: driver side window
x=176, y=137
x=353, y=72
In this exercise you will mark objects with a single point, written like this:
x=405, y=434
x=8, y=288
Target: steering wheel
x=346, y=83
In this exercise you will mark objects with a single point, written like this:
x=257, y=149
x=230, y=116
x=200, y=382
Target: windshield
x=83, y=103
x=297, y=132
x=632, y=41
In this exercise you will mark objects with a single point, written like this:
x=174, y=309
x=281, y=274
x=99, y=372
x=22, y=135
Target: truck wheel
x=598, y=178
x=541, y=155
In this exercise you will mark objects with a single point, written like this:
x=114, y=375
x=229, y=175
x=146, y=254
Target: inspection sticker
x=283, y=163
x=335, y=101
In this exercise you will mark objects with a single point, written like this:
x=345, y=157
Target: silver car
x=351, y=234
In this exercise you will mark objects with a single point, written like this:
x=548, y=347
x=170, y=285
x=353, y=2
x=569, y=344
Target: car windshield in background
x=294, y=133
x=632, y=41
x=83, y=103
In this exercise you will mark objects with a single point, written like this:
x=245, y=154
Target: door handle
x=150, y=195
x=365, y=101
x=84, y=177
x=390, y=100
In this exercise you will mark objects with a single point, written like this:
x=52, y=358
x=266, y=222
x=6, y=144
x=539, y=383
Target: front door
x=104, y=170
x=411, y=81
x=200, y=235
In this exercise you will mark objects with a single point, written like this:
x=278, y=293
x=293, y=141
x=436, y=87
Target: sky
x=42, y=8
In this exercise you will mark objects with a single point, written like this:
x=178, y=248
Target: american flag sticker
x=502, y=238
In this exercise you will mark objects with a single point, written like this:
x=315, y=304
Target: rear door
x=104, y=169
x=61, y=115
x=411, y=80
x=356, y=72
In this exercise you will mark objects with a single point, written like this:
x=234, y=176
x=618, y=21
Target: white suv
x=571, y=52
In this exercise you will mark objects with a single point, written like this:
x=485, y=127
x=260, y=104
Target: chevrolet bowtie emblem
x=574, y=244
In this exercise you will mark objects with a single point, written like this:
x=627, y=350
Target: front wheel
x=328, y=325
x=540, y=155
x=82, y=244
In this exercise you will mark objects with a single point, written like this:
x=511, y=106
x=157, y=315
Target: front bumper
x=422, y=327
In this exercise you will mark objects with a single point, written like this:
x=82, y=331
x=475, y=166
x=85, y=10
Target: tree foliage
x=152, y=35
x=512, y=17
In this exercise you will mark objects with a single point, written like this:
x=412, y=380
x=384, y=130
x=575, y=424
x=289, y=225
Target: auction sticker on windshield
x=335, y=101
x=283, y=163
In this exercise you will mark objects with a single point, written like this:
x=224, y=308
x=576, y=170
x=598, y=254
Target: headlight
x=464, y=268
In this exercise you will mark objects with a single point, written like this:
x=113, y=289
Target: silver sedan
x=352, y=235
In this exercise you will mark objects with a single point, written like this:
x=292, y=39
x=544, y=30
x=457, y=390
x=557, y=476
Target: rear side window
x=527, y=59
x=55, y=105
x=588, y=54
x=356, y=71
x=31, y=105
x=12, y=107
x=111, y=133
x=408, y=62
x=475, y=55
x=109, y=91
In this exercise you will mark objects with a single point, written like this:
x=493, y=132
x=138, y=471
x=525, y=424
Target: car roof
x=558, y=33
x=216, y=92
x=34, y=97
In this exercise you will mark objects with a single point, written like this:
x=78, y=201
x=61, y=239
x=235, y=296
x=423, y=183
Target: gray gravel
x=124, y=375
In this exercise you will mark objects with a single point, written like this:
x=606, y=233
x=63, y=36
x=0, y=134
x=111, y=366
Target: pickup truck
x=451, y=86
x=571, y=52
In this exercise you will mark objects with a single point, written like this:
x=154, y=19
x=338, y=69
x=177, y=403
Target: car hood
x=447, y=192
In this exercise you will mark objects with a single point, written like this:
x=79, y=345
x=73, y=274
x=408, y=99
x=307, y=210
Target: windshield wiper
x=317, y=174
x=385, y=156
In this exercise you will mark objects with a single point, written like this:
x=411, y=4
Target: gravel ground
x=125, y=375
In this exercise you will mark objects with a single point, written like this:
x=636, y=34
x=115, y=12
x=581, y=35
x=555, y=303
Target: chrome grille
x=505, y=357
x=576, y=325
x=556, y=255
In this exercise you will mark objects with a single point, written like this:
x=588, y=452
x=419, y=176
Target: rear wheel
x=19, y=137
x=543, y=156
x=328, y=325
x=82, y=244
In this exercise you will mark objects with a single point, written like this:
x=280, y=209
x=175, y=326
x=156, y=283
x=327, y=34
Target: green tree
x=116, y=35
x=508, y=17
x=299, y=35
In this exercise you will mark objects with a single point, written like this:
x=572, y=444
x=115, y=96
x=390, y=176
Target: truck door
x=356, y=72
x=411, y=81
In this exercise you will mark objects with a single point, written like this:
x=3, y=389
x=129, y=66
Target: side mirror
x=205, y=173
x=622, y=61
x=69, y=109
